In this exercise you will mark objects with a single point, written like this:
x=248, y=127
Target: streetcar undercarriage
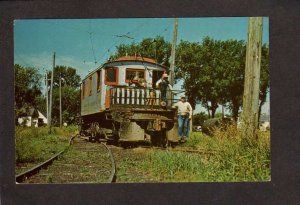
x=129, y=126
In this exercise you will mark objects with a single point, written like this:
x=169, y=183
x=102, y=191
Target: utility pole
x=51, y=88
x=172, y=64
x=60, y=110
x=252, y=76
x=47, y=106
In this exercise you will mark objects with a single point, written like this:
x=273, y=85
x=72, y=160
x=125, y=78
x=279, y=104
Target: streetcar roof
x=127, y=59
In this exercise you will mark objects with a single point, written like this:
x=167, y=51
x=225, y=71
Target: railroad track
x=81, y=162
x=189, y=150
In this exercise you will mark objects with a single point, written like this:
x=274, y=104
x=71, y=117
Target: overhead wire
x=21, y=59
x=121, y=40
x=128, y=35
x=95, y=61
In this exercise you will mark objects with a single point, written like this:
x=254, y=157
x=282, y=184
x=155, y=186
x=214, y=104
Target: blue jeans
x=183, y=125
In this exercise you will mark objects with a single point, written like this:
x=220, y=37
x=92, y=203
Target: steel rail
x=112, y=177
x=183, y=150
x=194, y=151
x=25, y=175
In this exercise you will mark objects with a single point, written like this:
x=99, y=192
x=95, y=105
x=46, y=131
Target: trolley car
x=119, y=102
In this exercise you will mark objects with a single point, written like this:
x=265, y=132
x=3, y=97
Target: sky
x=85, y=44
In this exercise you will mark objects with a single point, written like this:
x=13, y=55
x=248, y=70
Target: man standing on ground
x=185, y=112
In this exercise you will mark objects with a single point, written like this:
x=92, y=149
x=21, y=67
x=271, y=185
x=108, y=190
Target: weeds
x=234, y=160
x=35, y=144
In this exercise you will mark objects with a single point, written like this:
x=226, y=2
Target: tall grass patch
x=35, y=144
x=239, y=158
x=174, y=166
x=233, y=158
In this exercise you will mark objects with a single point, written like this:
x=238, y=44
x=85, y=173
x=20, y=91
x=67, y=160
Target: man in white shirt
x=185, y=112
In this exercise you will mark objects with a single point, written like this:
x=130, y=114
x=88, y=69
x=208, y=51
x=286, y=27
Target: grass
x=235, y=159
x=36, y=145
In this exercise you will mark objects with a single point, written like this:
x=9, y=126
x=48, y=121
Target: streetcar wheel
x=124, y=145
x=172, y=144
x=164, y=142
x=90, y=139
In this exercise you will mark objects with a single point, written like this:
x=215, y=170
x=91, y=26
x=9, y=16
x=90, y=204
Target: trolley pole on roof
x=252, y=77
x=51, y=88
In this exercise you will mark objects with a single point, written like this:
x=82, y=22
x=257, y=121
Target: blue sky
x=85, y=44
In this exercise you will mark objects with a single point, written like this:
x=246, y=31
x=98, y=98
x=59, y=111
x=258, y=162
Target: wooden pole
x=170, y=95
x=47, y=101
x=51, y=88
x=60, y=106
x=252, y=75
x=172, y=64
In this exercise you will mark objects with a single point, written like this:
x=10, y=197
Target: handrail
x=138, y=96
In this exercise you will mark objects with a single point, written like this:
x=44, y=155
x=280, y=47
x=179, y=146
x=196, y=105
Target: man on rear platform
x=163, y=84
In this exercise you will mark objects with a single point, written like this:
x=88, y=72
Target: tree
x=70, y=94
x=189, y=65
x=264, y=77
x=213, y=73
x=68, y=75
x=233, y=65
x=156, y=48
x=27, y=88
x=199, y=67
x=70, y=104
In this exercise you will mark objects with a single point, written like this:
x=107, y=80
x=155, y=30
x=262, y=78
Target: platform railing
x=136, y=96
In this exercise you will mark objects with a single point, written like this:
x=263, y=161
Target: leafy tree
x=70, y=93
x=188, y=68
x=70, y=104
x=68, y=75
x=232, y=61
x=264, y=77
x=27, y=88
x=156, y=48
x=199, y=67
x=213, y=73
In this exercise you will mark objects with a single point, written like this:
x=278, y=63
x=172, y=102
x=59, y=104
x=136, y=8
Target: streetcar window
x=90, y=86
x=111, y=76
x=131, y=73
x=83, y=89
x=98, y=80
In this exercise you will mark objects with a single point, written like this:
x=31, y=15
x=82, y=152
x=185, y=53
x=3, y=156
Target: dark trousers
x=163, y=96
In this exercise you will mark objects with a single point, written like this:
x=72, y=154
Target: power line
x=92, y=43
x=26, y=64
x=121, y=40
x=95, y=61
